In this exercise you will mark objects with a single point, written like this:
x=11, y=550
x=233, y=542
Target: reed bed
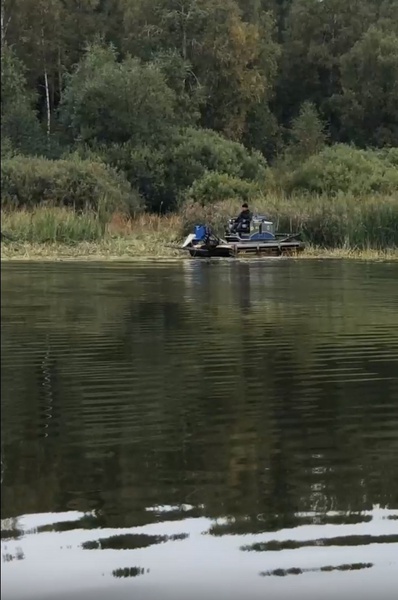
x=341, y=222
x=332, y=227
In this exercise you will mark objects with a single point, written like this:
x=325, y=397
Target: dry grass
x=340, y=228
x=124, y=248
x=390, y=254
x=110, y=250
x=146, y=227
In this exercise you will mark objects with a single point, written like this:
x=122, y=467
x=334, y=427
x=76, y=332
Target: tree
x=19, y=124
x=242, y=68
x=50, y=37
x=190, y=95
x=35, y=28
x=307, y=133
x=263, y=132
x=233, y=61
x=317, y=35
x=106, y=101
x=369, y=100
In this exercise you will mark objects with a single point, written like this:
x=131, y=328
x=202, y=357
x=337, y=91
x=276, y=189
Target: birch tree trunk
x=48, y=106
x=47, y=89
x=4, y=24
x=59, y=74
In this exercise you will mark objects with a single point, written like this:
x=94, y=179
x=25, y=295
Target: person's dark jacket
x=245, y=215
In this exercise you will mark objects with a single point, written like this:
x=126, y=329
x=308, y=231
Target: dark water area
x=194, y=430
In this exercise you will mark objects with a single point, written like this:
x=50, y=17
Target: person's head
x=245, y=206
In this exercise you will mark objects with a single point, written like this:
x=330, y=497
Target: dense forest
x=161, y=100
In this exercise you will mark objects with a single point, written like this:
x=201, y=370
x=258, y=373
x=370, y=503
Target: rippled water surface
x=200, y=430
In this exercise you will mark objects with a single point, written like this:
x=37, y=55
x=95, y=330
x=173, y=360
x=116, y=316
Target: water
x=194, y=430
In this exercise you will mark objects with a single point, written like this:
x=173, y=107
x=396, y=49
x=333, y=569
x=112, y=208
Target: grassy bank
x=339, y=227
x=122, y=249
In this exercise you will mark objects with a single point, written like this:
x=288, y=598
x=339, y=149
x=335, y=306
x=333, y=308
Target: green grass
x=48, y=225
x=342, y=222
x=343, y=225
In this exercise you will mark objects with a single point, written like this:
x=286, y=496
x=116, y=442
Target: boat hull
x=271, y=248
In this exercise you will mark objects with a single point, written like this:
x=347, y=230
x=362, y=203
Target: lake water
x=223, y=430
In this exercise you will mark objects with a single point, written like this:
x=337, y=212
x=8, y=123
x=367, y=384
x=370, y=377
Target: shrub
x=344, y=169
x=214, y=187
x=164, y=172
x=199, y=150
x=29, y=182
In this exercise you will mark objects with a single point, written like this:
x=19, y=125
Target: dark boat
x=255, y=237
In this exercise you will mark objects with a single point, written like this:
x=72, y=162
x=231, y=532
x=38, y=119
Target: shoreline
x=122, y=250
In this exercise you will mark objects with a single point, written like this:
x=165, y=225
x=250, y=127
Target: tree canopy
x=127, y=79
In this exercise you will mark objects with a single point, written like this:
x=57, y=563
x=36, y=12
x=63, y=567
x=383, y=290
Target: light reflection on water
x=179, y=550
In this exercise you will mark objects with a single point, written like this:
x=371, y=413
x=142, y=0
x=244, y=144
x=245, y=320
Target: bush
x=7, y=149
x=343, y=169
x=29, y=182
x=389, y=155
x=164, y=172
x=195, y=151
x=215, y=187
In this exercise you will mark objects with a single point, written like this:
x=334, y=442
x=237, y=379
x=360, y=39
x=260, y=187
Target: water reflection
x=130, y=541
x=296, y=571
x=128, y=572
x=173, y=418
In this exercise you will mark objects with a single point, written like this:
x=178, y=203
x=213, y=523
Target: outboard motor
x=200, y=232
x=202, y=235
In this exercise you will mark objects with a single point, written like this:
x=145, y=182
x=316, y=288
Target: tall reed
x=341, y=222
x=52, y=224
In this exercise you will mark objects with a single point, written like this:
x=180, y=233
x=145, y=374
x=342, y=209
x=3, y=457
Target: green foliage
x=19, y=123
x=316, y=35
x=240, y=67
x=163, y=173
x=232, y=60
x=189, y=94
x=263, y=131
x=307, y=133
x=13, y=82
x=177, y=79
x=54, y=225
x=108, y=101
x=7, y=150
x=28, y=182
x=214, y=187
x=341, y=169
x=197, y=150
x=369, y=103
x=193, y=153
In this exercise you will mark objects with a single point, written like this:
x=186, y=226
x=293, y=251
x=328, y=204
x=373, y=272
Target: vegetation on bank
x=123, y=249
x=157, y=104
x=339, y=224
